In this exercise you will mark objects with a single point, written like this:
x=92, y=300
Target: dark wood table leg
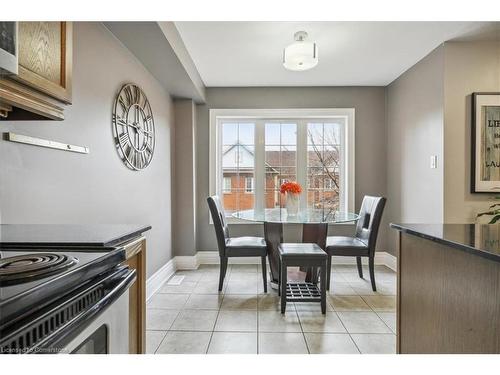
x=314, y=233
x=282, y=286
x=273, y=233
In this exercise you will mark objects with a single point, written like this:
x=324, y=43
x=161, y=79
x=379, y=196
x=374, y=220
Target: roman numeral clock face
x=134, y=127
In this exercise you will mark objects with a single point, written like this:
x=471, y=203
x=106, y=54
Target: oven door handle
x=122, y=280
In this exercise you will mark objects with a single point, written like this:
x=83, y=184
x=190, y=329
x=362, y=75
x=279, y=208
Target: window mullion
x=302, y=160
x=259, y=167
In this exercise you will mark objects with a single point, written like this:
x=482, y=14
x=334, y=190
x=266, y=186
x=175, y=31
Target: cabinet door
x=45, y=57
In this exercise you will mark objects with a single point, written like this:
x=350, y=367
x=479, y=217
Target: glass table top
x=312, y=215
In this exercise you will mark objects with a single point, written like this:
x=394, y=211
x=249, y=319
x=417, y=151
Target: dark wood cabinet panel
x=448, y=300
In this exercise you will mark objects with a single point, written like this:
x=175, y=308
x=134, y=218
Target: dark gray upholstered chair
x=236, y=246
x=364, y=240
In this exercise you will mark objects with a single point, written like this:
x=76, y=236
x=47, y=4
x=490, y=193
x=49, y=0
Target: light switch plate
x=434, y=159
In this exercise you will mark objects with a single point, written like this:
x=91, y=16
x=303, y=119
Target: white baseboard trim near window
x=160, y=277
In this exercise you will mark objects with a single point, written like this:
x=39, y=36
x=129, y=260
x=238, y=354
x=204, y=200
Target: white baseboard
x=390, y=261
x=212, y=257
x=160, y=277
x=186, y=262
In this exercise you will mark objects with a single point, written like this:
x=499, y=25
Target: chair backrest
x=370, y=216
x=220, y=224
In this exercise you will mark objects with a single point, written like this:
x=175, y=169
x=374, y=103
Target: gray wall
x=184, y=225
x=370, y=146
x=41, y=185
x=469, y=67
x=415, y=132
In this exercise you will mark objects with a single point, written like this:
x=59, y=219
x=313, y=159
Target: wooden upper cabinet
x=45, y=62
x=45, y=57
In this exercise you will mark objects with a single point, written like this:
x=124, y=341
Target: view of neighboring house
x=238, y=162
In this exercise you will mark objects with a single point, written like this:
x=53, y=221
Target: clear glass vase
x=292, y=204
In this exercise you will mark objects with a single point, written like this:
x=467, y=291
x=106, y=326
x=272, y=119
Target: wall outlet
x=434, y=161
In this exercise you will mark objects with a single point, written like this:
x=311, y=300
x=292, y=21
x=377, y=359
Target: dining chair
x=234, y=246
x=364, y=240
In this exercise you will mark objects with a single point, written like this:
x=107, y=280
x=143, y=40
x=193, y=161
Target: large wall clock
x=134, y=127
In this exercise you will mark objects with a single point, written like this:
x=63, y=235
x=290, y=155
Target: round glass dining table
x=274, y=218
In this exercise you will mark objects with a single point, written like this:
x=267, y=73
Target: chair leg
x=360, y=267
x=264, y=273
x=328, y=271
x=223, y=268
x=323, y=288
x=279, y=278
x=371, y=264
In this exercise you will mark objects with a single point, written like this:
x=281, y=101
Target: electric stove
x=48, y=297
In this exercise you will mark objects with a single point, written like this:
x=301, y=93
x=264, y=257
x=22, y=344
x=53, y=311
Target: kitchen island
x=92, y=238
x=448, y=288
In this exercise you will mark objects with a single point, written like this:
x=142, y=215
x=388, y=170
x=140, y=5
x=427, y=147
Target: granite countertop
x=67, y=235
x=478, y=239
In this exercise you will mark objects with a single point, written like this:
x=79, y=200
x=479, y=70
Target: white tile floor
x=194, y=317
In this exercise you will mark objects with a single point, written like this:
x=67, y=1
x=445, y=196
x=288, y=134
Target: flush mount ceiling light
x=301, y=55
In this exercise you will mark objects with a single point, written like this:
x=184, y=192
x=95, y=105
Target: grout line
x=226, y=278
x=301, y=329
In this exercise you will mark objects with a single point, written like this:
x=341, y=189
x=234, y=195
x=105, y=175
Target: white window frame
x=217, y=116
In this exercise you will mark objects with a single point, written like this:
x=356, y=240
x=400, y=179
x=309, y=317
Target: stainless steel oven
x=64, y=302
x=108, y=334
x=9, y=47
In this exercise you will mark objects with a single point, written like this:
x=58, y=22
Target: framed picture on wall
x=485, y=142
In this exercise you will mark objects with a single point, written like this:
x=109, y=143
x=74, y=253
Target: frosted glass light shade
x=300, y=56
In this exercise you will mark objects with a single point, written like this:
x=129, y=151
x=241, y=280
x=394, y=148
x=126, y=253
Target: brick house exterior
x=238, y=171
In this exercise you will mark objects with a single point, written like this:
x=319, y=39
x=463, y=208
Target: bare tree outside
x=324, y=166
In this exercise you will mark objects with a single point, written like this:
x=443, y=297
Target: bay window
x=253, y=151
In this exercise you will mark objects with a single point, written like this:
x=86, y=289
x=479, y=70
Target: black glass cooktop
x=30, y=280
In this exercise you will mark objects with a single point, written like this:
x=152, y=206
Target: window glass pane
x=288, y=155
x=246, y=134
x=332, y=133
x=323, y=164
x=280, y=154
x=272, y=198
x=229, y=133
x=314, y=155
x=330, y=200
x=314, y=134
x=331, y=156
x=272, y=131
x=273, y=156
x=315, y=178
x=288, y=134
x=238, y=166
x=227, y=185
x=314, y=198
x=272, y=180
x=288, y=174
x=249, y=184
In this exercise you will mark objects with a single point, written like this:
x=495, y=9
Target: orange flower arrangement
x=290, y=187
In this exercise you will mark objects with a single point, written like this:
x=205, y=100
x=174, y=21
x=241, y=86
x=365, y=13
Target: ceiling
x=350, y=53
